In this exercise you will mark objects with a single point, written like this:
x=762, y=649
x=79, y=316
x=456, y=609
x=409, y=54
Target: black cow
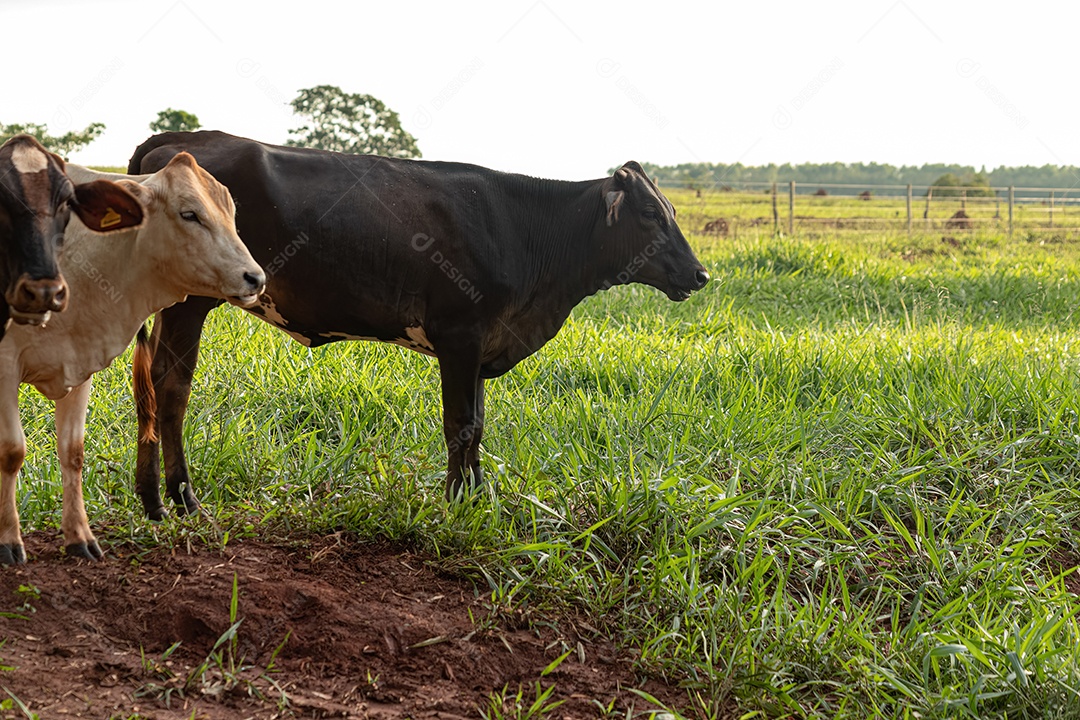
x=36, y=200
x=475, y=267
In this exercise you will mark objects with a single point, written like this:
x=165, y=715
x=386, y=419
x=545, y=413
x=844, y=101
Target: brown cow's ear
x=105, y=206
x=613, y=199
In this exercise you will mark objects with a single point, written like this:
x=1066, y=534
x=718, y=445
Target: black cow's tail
x=142, y=385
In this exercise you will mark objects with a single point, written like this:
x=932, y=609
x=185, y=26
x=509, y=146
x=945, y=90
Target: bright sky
x=567, y=89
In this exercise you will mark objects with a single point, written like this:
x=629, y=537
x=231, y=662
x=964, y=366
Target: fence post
x=775, y=213
x=909, y=209
x=791, y=208
x=1011, y=198
x=1051, y=208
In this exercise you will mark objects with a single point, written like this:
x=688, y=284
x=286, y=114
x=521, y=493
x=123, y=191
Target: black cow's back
x=353, y=246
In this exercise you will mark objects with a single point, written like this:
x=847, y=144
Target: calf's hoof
x=84, y=551
x=13, y=554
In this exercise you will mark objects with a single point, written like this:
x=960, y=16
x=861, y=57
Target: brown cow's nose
x=37, y=296
x=702, y=278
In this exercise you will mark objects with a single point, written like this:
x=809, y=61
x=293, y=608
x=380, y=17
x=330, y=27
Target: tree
x=970, y=184
x=62, y=145
x=350, y=123
x=169, y=120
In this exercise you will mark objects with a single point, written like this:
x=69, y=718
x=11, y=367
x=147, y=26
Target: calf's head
x=642, y=241
x=36, y=201
x=192, y=226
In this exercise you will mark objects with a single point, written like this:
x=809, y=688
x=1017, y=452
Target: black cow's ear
x=613, y=199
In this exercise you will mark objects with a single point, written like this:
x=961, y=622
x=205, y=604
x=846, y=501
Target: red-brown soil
x=360, y=631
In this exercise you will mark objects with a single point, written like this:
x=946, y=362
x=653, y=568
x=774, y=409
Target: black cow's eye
x=190, y=216
x=649, y=213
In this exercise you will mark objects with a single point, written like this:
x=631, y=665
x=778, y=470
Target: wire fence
x=817, y=207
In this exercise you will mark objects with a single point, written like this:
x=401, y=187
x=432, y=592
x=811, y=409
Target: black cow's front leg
x=463, y=419
x=176, y=350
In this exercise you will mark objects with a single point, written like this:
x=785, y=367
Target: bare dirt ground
x=328, y=628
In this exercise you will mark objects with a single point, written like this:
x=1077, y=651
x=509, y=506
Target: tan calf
x=187, y=245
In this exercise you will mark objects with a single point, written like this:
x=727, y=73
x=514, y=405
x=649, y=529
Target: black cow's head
x=646, y=244
x=36, y=198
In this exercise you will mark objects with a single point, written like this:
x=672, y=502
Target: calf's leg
x=12, y=454
x=79, y=541
x=175, y=340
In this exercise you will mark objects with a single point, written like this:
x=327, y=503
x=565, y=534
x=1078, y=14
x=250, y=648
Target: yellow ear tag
x=111, y=218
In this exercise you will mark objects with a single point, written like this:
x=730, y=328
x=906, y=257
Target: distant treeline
x=704, y=175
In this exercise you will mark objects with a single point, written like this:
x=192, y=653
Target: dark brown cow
x=474, y=267
x=36, y=198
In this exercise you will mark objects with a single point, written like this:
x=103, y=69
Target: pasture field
x=750, y=213
x=839, y=482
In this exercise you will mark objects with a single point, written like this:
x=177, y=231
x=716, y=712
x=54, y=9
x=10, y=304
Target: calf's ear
x=105, y=206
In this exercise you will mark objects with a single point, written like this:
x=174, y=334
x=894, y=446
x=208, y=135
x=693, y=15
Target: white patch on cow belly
x=272, y=316
x=270, y=312
x=302, y=339
x=417, y=340
x=346, y=336
x=28, y=159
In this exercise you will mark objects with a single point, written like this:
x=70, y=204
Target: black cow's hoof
x=12, y=554
x=185, y=502
x=462, y=492
x=158, y=513
x=191, y=507
x=454, y=491
x=85, y=551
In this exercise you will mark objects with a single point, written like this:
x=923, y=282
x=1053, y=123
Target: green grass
x=839, y=482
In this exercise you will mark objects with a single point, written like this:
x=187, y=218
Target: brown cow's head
x=36, y=199
x=646, y=243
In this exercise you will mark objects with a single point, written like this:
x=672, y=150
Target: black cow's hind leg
x=463, y=418
x=177, y=331
x=472, y=453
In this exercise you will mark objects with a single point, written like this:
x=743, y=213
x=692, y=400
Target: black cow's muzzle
x=681, y=292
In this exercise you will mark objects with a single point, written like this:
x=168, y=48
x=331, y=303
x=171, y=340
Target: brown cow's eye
x=190, y=216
